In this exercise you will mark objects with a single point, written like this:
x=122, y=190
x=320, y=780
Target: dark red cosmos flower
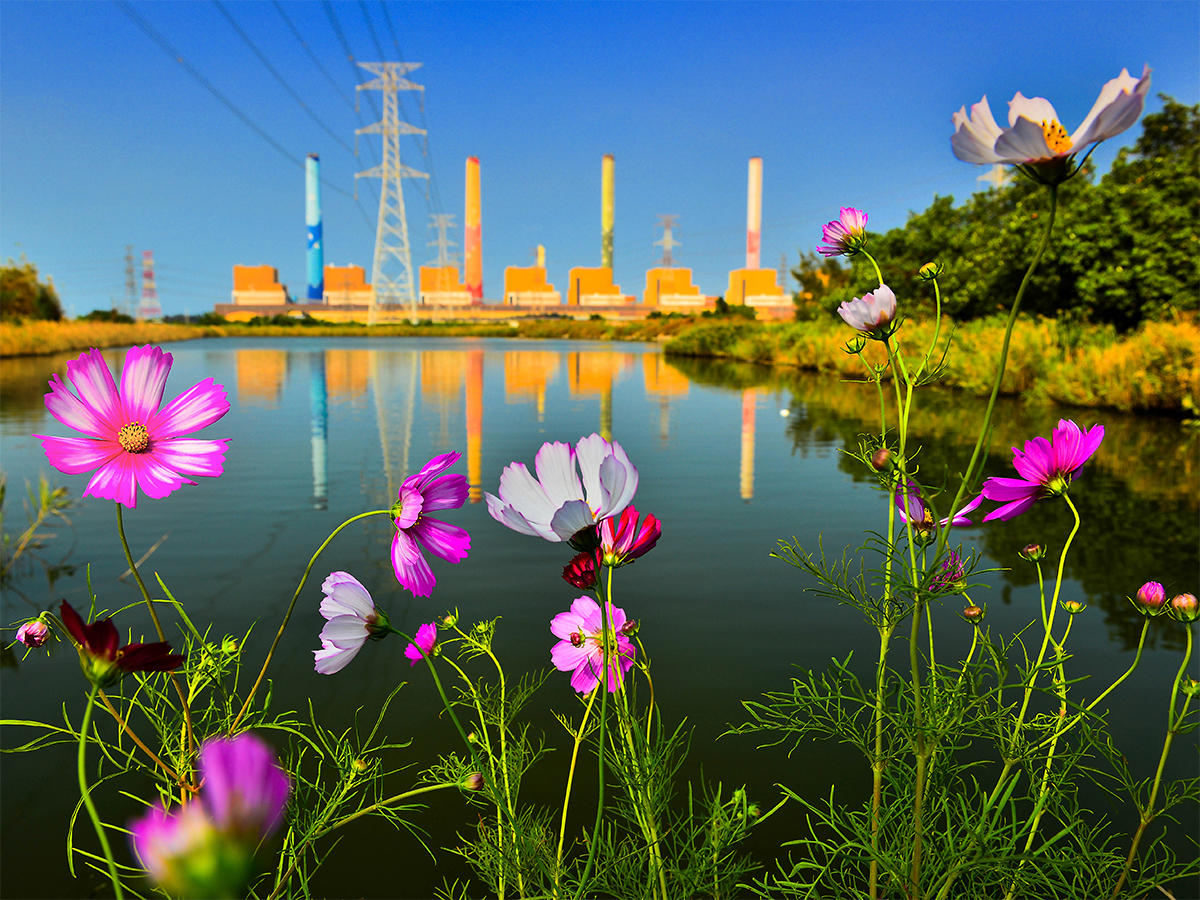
x=582, y=570
x=103, y=661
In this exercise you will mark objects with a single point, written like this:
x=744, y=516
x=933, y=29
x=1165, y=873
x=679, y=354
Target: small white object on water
x=785, y=412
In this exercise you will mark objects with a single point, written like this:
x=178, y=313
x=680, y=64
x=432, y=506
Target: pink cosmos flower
x=581, y=648
x=552, y=506
x=624, y=541
x=423, y=644
x=920, y=514
x=419, y=494
x=352, y=618
x=872, y=312
x=133, y=444
x=1046, y=467
x=206, y=848
x=1151, y=598
x=33, y=634
x=847, y=234
x=951, y=574
x=1034, y=134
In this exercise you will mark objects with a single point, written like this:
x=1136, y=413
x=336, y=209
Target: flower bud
x=973, y=614
x=630, y=628
x=576, y=639
x=449, y=620
x=881, y=459
x=360, y=765
x=1033, y=552
x=33, y=634
x=1151, y=599
x=229, y=646
x=472, y=738
x=473, y=782
x=930, y=271
x=1074, y=606
x=1190, y=686
x=1185, y=608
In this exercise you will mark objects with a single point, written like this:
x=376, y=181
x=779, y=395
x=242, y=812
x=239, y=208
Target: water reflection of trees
x=1138, y=498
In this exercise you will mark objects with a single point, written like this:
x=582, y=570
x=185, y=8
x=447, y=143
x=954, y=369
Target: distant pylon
x=668, y=242
x=130, y=282
x=391, y=287
x=442, y=222
x=784, y=272
x=149, y=308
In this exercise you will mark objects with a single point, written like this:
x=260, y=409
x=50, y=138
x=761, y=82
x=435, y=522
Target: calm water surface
x=732, y=458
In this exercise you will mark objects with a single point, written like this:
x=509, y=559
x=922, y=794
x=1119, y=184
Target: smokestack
x=312, y=218
x=473, y=235
x=754, y=214
x=541, y=257
x=606, y=210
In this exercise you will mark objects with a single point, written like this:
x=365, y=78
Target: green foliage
x=725, y=310
x=107, y=315
x=24, y=296
x=821, y=281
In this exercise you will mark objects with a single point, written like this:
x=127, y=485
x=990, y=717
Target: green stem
x=87, y=796
x=291, y=606
x=562, y=830
x=878, y=274
x=877, y=763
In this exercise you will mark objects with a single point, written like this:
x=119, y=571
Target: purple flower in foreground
x=352, y=618
x=553, y=506
x=33, y=634
x=921, y=516
x=950, y=576
x=132, y=443
x=423, y=645
x=419, y=494
x=847, y=234
x=622, y=541
x=1151, y=598
x=1046, y=467
x=581, y=648
x=872, y=312
x=206, y=848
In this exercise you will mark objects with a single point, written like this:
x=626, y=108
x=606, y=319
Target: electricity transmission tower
x=668, y=242
x=130, y=282
x=784, y=272
x=442, y=222
x=392, y=271
x=149, y=308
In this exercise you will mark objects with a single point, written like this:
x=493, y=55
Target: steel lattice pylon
x=392, y=270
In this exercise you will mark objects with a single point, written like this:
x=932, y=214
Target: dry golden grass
x=40, y=338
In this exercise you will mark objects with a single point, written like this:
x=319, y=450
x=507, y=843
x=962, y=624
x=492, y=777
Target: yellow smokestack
x=473, y=236
x=541, y=257
x=607, y=192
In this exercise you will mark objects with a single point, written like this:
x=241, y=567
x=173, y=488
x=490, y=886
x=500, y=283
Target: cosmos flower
x=950, y=577
x=103, y=661
x=1035, y=135
x=580, y=649
x=552, y=506
x=352, y=619
x=583, y=569
x=872, y=312
x=132, y=443
x=1185, y=607
x=423, y=644
x=33, y=634
x=921, y=517
x=1151, y=598
x=847, y=234
x=206, y=847
x=622, y=541
x=1046, y=467
x=420, y=494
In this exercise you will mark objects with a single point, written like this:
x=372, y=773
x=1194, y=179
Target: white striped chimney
x=754, y=214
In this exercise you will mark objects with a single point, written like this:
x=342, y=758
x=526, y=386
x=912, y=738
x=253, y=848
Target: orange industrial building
x=594, y=287
x=440, y=287
x=258, y=286
x=527, y=286
x=346, y=286
x=758, y=288
x=672, y=289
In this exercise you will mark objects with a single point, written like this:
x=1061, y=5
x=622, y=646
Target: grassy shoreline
x=1155, y=368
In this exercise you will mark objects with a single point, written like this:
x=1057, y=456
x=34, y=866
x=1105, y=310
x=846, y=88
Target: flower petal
x=153, y=478
x=565, y=624
x=1116, y=109
x=94, y=382
x=1002, y=489
x=115, y=480
x=592, y=451
x=192, y=457
x=197, y=407
x=1034, y=109
x=974, y=138
x=432, y=469
x=345, y=632
x=412, y=571
x=572, y=517
x=330, y=659
x=1024, y=142
x=74, y=413
x=78, y=455
x=449, y=542
x=509, y=517
x=555, y=465
x=1010, y=510
x=411, y=504
x=525, y=494
x=143, y=379
x=345, y=595
x=1036, y=461
x=447, y=492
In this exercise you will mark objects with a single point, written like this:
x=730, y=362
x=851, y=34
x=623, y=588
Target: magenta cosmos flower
x=423, y=645
x=1035, y=135
x=352, y=618
x=206, y=848
x=1046, y=467
x=921, y=516
x=871, y=312
x=554, y=506
x=133, y=444
x=581, y=648
x=847, y=234
x=622, y=541
x=421, y=493
x=33, y=634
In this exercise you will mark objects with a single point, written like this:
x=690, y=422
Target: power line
x=350, y=60
x=162, y=42
x=311, y=55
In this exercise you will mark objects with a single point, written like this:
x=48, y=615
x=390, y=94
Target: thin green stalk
x=187, y=712
x=508, y=799
x=562, y=830
x=646, y=817
x=87, y=796
x=291, y=606
x=877, y=763
x=1148, y=814
x=878, y=274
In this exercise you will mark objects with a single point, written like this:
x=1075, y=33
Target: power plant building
x=594, y=287
x=258, y=286
x=440, y=287
x=346, y=286
x=527, y=286
x=672, y=289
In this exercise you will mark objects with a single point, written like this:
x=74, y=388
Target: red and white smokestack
x=472, y=234
x=754, y=214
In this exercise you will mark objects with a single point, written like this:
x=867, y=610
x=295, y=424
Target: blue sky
x=106, y=140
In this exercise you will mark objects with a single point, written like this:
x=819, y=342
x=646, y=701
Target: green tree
x=23, y=296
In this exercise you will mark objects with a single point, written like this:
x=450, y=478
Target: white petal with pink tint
x=142, y=382
x=196, y=408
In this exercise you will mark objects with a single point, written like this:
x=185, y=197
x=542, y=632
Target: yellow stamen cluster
x=1057, y=138
x=134, y=437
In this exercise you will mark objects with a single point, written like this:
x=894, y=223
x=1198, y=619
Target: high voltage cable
x=337, y=30
x=270, y=68
x=162, y=42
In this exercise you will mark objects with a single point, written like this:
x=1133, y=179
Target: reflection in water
x=260, y=377
x=526, y=374
x=346, y=375
x=663, y=381
x=746, y=476
x=475, y=425
x=591, y=374
x=319, y=408
x=390, y=383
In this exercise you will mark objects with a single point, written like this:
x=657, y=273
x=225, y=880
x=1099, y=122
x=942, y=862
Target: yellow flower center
x=1057, y=138
x=134, y=437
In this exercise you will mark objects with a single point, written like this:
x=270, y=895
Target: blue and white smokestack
x=312, y=218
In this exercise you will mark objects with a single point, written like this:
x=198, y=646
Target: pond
x=732, y=458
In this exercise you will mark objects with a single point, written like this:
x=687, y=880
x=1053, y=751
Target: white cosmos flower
x=870, y=312
x=352, y=619
x=1035, y=133
x=554, y=505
